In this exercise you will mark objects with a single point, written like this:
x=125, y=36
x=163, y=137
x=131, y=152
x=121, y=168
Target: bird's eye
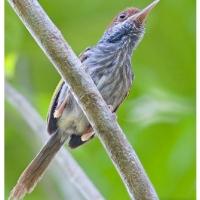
x=122, y=15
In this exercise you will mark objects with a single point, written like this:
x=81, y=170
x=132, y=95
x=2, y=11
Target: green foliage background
x=158, y=117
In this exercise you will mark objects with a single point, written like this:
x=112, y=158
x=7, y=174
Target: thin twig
x=90, y=100
x=71, y=170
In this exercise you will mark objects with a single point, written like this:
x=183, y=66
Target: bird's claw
x=114, y=116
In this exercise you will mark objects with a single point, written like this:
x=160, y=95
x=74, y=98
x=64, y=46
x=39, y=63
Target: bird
x=109, y=65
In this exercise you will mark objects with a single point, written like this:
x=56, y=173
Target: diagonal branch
x=68, y=165
x=90, y=100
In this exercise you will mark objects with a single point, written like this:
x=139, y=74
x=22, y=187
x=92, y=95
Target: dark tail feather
x=75, y=141
x=33, y=173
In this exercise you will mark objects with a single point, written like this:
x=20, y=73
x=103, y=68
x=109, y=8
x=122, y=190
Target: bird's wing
x=55, y=109
x=51, y=120
x=123, y=99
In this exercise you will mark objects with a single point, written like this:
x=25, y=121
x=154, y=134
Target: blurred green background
x=158, y=118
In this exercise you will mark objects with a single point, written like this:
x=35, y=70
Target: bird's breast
x=113, y=75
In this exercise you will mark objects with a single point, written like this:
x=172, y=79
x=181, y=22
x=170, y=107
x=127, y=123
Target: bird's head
x=129, y=23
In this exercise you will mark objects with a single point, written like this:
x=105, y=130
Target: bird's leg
x=114, y=116
x=90, y=131
x=59, y=110
x=87, y=134
x=85, y=67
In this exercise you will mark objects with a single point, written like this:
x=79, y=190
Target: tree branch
x=68, y=165
x=90, y=100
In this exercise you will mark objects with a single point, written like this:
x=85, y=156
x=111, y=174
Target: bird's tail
x=33, y=173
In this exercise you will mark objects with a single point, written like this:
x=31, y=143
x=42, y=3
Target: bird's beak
x=142, y=14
